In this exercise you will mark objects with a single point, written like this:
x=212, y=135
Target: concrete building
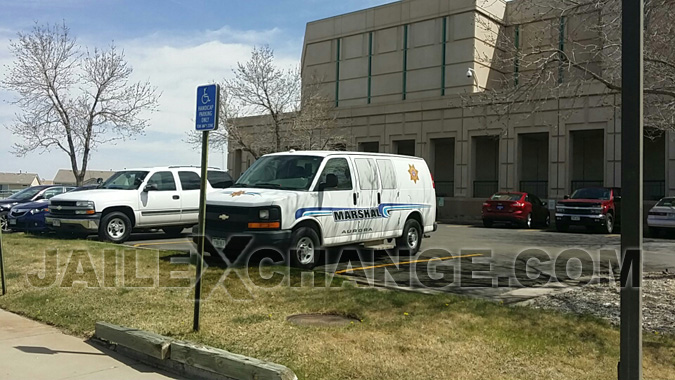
x=398, y=76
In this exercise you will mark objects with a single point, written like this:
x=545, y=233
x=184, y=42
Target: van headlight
x=264, y=214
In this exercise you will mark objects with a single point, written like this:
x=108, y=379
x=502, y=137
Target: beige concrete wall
x=474, y=31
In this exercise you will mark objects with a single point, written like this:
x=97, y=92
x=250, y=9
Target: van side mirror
x=331, y=181
x=150, y=187
x=566, y=197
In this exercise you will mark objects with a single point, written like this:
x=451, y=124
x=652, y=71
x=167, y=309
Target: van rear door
x=371, y=222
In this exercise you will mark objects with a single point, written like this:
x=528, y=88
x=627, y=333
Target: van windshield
x=285, y=172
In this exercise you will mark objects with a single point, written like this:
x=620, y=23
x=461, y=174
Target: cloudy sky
x=176, y=45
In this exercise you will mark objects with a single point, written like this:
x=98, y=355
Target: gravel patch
x=602, y=300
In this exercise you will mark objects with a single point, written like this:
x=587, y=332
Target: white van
x=301, y=201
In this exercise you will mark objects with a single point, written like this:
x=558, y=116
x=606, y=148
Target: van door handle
x=176, y=197
x=379, y=198
x=354, y=199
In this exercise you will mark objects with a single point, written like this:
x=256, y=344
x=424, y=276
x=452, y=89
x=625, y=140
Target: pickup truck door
x=190, y=183
x=160, y=202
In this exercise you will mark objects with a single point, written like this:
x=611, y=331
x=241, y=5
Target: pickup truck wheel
x=411, y=240
x=304, y=249
x=173, y=231
x=115, y=227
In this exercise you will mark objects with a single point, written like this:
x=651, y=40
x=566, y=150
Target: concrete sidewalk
x=31, y=350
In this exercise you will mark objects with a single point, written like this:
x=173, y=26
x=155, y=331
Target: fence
x=538, y=188
x=445, y=188
x=484, y=189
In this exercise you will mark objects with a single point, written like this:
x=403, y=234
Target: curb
x=185, y=358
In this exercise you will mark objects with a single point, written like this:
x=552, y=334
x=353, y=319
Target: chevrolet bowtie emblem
x=224, y=217
x=58, y=208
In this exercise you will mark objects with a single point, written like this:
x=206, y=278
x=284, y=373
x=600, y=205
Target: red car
x=523, y=209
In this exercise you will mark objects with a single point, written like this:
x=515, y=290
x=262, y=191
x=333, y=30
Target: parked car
x=27, y=195
x=30, y=217
x=662, y=216
x=302, y=201
x=523, y=209
x=597, y=208
x=139, y=199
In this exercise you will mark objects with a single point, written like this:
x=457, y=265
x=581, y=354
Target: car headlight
x=38, y=210
x=87, y=204
x=264, y=214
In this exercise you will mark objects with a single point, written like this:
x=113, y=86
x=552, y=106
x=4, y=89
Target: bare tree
x=570, y=48
x=266, y=109
x=72, y=100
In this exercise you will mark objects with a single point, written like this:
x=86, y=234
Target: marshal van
x=301, y=201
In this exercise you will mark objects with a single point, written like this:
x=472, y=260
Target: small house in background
x=66, y=177
x=13, y=182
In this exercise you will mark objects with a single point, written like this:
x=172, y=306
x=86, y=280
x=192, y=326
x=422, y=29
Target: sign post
x=632, y=81
x=2, y=267
x=206, y=120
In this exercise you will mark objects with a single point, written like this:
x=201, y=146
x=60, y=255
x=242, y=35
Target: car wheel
x=609, y=224
x=488, y=223
x=547, y=221
x=411, y=240
x=173, y=231
x=115, y=227
x=528, y=221
x=305, y=248
x=4, y=223
x=561, y=227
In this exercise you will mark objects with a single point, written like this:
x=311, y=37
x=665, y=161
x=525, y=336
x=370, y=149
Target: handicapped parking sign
x=207, y=107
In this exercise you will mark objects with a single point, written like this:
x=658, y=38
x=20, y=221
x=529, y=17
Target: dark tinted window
x=219, y=180
x=189, y=180
x=163, y=180
x=339, y=167
x=506, y=197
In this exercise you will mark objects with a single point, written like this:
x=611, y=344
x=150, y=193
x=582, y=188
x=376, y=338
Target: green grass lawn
x=400, y=334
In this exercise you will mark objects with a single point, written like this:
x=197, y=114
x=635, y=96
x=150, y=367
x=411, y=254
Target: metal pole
x=2, y=267
x=202, y=222
x=630, y=366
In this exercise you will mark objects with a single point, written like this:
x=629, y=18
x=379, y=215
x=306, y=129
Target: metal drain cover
x=320, y=320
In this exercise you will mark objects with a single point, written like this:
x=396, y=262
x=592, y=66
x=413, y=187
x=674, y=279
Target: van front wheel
x=411, y=240
x=304, y=248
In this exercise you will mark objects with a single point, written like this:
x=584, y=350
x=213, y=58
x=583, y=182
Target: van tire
x=115, y=227
x=305, y=248
x=411, y=240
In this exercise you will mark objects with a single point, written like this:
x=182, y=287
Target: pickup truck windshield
x=287, y=172
x=127, y=180
x=592, y=193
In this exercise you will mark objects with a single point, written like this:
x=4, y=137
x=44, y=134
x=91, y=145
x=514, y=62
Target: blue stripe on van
x=384, y=209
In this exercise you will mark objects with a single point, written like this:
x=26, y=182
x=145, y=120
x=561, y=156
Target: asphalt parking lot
x=502, y=263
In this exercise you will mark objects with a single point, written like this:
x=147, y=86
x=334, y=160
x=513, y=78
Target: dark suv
x=597, y=208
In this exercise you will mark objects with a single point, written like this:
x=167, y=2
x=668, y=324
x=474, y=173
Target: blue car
x=30, y=216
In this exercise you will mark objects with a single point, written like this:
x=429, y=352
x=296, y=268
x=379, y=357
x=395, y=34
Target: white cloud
x=176, y=65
